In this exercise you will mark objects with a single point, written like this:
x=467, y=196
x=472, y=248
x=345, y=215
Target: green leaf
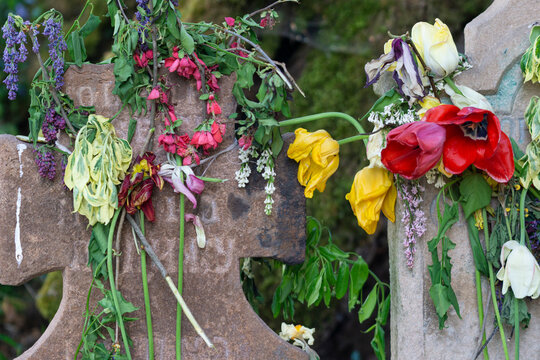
x=91, y=24
x=76, y=48
x=478, y=252
x=187, y=41
x=358, y=276
x=475, y=193
x=277, y=141
x=439, y=295
x=314, y=291
x=131, y=128
x=378, y=344
x=342, y=281
x=172, y=25
x=244, y=75
x=368, y=306
x=36, y=116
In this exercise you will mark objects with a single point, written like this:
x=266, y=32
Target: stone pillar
x=494, y=43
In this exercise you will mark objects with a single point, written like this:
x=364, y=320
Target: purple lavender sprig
x=46, y=163
x=414, y=219
x=142, y=16
x=13, y=55
x=57, y=45
x=52, y=124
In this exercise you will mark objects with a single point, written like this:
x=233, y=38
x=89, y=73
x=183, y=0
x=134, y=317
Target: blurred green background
x=325, y=44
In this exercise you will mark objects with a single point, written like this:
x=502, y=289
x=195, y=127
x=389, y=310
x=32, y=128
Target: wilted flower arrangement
x=427, y=125
x=416, y=132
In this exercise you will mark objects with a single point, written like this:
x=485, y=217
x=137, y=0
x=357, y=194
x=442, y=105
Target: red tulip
x=414, y=148
x=473, y=137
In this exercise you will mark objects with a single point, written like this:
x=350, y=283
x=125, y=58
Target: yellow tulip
x=436, y=46
x=373, y=190
x=427, y=103
x=318, y=157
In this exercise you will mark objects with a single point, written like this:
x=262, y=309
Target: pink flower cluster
x=209, y=139
x=245, y=141
x=158, y=94
x=187, y=68
x=180, y=145
x=142, y=58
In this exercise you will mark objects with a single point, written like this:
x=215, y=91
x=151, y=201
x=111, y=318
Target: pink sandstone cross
x=40, y=235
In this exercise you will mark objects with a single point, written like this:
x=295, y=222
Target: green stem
x=480, y=302
x=492, y=286
x=303, y=119
x=522, y=216
x=87, y=307
x=180, y=272
x=114, y=292
x=516, y=328
x=352, y=139
x=453, y=85
x=146, y=296
x=519, y=169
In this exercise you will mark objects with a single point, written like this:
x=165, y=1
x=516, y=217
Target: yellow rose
x=373, y=190
x=318, y=155
x=436, y=46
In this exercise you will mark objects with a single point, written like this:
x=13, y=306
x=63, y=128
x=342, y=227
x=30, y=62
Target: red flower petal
x=501, y=165
x=459, y=151
x=412, y=149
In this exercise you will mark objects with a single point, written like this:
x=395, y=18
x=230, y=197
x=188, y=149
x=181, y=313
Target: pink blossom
x=212, y=107
x=235, y=45
x=245, y=141
x=154, y=94
x=168, y=142
x=229, y=21
x=201, y=237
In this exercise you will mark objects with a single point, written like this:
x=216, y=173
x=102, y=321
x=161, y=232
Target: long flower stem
x=167, y=278
x=516, y=328
x=492, y=286
x=146, y=296
x=452, y=84
x=180, y=271
x=522, y=216
x=426, y=68
x=304, y=119
x=114, y=292
x=352, y=139
x=480, y=303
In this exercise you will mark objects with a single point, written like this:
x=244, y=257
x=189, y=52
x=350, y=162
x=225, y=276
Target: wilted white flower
x=469, y=98
x=519, y=270
x=291, y=332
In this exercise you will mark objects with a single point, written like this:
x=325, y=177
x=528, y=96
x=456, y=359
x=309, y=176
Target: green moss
x=49, y=295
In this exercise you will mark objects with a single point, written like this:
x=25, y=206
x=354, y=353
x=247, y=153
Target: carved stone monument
x=39, y=234
x=494, y=43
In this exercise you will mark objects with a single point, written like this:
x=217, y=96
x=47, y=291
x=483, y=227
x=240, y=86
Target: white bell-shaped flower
x=519, y=270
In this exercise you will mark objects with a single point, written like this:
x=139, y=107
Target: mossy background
x=325, y=44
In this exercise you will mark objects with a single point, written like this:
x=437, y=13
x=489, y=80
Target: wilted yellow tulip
x=373, y=190
x=436, y=46
x=318, y=155
x=520, y=271
x=427, y=103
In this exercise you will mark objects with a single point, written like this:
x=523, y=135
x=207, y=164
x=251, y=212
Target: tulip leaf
x=508, y=309
x=358, y=275
x=478, y=253
x=475, y=193
x=438, y=294
x=368, y=306
x=342, y=281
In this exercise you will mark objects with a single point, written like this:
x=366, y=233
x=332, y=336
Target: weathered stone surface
x=53, y=238
x=494, y=42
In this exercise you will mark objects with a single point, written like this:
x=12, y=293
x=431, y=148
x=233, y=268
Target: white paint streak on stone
x=20, y=149
x=18, y=247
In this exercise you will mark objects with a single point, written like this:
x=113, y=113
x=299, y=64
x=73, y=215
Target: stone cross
x=494, y=43
x=39, y=234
